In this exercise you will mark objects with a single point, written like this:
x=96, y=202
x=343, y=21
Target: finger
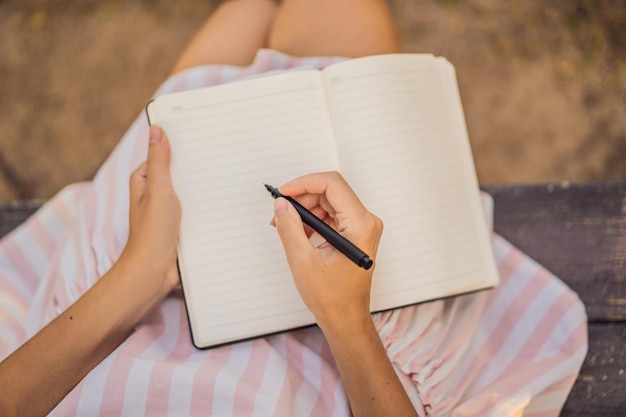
x=158, y=170
x=317, y=204
x=307, y=200
x=320, y=214
x=138, y=183
x=291, y=231
x=330, y=184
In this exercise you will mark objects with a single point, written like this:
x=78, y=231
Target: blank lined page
x=403, y=147
x=228, y=141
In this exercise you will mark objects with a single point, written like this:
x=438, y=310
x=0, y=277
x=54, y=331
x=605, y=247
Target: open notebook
x=392, y=125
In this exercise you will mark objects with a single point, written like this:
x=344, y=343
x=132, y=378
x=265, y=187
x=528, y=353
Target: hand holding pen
x=339, y=242
x=329, y=282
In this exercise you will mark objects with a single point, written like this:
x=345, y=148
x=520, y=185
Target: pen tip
x=273, y=191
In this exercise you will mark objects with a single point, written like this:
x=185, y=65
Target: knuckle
x=374, y=225
x=335, y=175
x=380, y=225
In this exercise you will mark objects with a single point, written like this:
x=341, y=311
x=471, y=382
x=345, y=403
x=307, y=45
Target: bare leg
x=349, y=28
x=232, y=35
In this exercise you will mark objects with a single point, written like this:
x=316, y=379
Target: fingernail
x=156, y=134
x=280, y=206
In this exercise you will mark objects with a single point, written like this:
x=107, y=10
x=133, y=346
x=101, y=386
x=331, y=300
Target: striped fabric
x=511, y=351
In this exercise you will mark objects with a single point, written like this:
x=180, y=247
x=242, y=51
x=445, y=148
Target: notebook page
x=227, y=141
x=476, y=206
x=401, y=149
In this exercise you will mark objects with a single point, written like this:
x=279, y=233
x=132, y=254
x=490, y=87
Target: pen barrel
x=340, y=243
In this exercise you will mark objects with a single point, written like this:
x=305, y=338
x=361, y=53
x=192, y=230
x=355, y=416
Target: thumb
x=158, y=169
x=137, y=184
x=291, y=231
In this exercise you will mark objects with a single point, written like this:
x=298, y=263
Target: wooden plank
x=600, y=387
x=578, y=231
x=14, y=213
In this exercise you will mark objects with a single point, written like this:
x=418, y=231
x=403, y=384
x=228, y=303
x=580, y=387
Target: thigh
x=334, y=28
x=231, y=36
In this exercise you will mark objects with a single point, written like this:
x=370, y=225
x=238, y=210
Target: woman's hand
x=330, y=284
x=154, y=218
x=42, y=371
x=338, y=292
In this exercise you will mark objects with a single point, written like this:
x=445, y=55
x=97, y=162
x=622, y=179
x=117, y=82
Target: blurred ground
x=543, y=83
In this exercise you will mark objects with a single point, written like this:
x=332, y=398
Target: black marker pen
x=342, y=244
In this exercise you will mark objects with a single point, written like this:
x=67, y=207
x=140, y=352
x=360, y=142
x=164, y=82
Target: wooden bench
x=578, y=231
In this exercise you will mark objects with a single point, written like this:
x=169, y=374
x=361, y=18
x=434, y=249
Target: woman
x=116, y=338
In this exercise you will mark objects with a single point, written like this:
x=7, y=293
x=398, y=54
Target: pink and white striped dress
x=511, y=351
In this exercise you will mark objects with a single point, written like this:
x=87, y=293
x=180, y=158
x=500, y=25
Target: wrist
x=136, y=290
x=346, y=324
x=151, y=277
